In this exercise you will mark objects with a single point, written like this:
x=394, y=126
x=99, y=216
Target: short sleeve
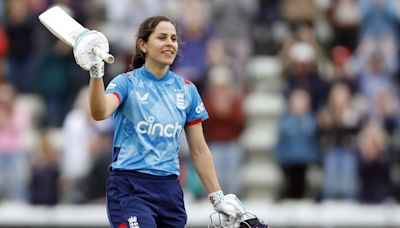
x=196, y=112
x=119, y=87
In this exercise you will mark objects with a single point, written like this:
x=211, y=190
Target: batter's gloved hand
x=83, y=52
x=229, y=204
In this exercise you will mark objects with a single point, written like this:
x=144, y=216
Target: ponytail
x=138, y=59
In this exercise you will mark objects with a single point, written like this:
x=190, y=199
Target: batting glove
x=83, y=52
x=229, y=205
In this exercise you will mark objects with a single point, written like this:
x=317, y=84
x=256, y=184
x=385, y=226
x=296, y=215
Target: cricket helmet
x=246, y=220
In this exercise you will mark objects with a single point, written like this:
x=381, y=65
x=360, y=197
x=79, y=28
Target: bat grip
x=103, y=55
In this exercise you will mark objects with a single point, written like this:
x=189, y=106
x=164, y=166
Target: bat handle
x=103, y=55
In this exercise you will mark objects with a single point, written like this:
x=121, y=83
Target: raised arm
x=101, y=105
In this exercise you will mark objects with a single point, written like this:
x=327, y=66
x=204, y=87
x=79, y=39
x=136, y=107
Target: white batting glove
x=83, y=52
x=229, y=205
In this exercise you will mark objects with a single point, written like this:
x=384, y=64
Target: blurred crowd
x=340, y=68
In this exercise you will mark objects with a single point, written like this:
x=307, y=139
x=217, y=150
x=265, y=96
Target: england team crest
x=180, y=100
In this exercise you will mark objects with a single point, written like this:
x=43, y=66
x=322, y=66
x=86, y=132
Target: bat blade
x=62, y=25
x=67, y=29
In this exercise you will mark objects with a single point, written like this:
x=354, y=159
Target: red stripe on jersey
x=193, y=122
x=117, y=95
x=187, y=82
x=122, y=225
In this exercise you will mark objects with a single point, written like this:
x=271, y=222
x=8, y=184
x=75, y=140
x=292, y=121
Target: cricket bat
x=67, y=29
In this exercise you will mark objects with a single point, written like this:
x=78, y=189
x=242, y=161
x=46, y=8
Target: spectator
x=385, y=110
x=375, y=164
x=342, y=70
x=44, y=182
x=92, y=185
x=76, y=161
x=378, y=19
x=296, y=148
x=22, y=57
x=339, y=123
x=299, y=11
x=197, y=32
x=224, y=127
x=233, y=24
x=377, y=51
x=14, y=120
x=375, y=78
x=218, y=57
x=344, y=16
x=55, y=84
x=301, y=35
x=123, y=24
x=264, y=21
x=302, y=72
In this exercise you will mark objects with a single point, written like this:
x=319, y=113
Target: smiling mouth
x=168, y=52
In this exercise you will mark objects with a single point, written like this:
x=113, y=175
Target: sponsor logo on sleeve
x=200, y=108
x=111, y=85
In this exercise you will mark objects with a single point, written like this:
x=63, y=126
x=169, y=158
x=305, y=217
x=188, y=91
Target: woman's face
x=162, y=46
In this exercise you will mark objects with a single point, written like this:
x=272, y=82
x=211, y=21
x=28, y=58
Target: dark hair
x=145, y=30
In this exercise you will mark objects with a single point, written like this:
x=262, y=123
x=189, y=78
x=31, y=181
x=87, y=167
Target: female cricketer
x=150, y=106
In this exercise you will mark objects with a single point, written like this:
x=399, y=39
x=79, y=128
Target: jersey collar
x=147, y=74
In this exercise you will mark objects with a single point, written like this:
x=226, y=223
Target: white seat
x=264, y=105
x=264, y=74
x=262, y=179
x=264, y=67
x=259, y=137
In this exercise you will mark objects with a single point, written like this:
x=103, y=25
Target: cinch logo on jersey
x=158, y=129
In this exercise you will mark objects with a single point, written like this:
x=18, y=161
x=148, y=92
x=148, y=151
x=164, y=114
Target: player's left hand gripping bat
x=67, y=29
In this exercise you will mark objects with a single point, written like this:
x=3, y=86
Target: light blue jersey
x=150, y=119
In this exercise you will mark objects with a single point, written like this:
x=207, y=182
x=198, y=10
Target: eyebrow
x=163, y=33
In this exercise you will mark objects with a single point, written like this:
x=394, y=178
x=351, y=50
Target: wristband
x=96, y=71
x=216, y=197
